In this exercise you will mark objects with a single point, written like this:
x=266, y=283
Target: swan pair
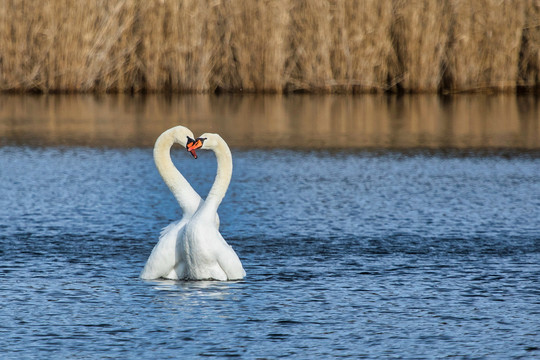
x=193, y=248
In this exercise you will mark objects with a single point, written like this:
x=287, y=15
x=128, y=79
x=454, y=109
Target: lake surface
x=421, y=249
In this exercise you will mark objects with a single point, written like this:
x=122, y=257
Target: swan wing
x=228, y=261
x=162, y=260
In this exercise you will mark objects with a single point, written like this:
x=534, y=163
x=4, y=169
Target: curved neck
x=223, y=176
x=187, y=198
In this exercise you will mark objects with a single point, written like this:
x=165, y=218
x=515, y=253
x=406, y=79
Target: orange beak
x=193, y=145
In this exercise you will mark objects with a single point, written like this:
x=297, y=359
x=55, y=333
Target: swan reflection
x=194, y=290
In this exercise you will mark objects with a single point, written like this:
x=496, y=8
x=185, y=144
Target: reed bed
x=420, y=32
x=269, y=46
x=484, y=46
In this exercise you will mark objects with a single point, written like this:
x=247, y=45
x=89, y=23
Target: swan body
x=164, y=258
x=162, y=261
x=203, y=252
x=192, y=248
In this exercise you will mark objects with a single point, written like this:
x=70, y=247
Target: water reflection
x=187, y=294
x=295, y=121
x=186, y=289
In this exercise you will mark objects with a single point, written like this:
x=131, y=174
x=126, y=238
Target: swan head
x=180, y=134
x=210, y=141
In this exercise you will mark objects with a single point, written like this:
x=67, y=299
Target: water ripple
x=347, y=254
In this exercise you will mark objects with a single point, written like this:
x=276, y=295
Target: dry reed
x=420, y=32
x=484, y=47
x=251, y=47
x=269, y=46
x=362, y=54
x=529, y=67
x=174, y=50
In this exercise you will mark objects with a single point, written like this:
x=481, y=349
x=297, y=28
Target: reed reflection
x=293, y=121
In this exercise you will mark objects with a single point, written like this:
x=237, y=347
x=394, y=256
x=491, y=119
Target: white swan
x=204, y=254
x=164, y=258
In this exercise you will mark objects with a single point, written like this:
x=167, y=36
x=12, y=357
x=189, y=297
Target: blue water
x=347, y=254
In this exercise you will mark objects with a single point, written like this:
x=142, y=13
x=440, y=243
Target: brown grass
x=250, y=45
x=362, y=53
x=485, y=44
x=420, y=30
x=529, y=66
x=269, y=45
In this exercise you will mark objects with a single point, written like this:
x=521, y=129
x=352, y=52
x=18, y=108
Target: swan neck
x=223, y=176
x=175, y=181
